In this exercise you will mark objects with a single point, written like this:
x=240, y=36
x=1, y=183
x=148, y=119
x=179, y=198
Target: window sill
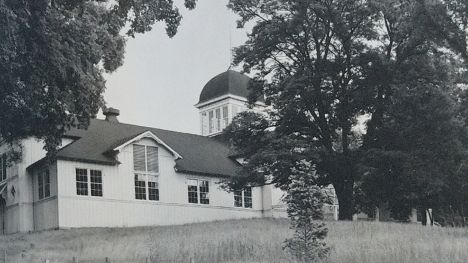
x=90, y=196
x=43, y=200
x=241, y=207
x=199, y=204
x=146, y=201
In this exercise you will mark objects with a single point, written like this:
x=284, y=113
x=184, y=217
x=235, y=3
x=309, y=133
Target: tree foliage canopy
x=324, y=66
x=53, y=54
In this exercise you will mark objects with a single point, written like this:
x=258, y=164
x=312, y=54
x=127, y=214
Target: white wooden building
x=121, y=175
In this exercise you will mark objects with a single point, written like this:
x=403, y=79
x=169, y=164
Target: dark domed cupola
x=221, y=99
x=226, y=83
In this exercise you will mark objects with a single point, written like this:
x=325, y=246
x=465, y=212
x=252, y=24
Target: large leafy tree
x=310, y=51
x=416, y=140
x=322, y=65
x=53, y=54
x=420, y=154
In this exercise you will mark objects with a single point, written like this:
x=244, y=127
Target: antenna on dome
x=230, y=49
x=230, y=45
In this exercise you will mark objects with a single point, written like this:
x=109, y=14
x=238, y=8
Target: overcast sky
x=162, y=78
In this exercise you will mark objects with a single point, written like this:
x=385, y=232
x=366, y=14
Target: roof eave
x=188, y=171
x=42, y=161
x=227, y=96
x=83, y=160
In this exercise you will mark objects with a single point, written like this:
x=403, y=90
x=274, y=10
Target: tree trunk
x=345, y=194
x=423, y=218
x=462, y=214
x=423, y=215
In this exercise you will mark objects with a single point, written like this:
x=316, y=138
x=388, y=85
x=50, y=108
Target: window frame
x=89, y=190
x=153, y=191
x=211, y=122
x=99, y=191
x=40, y=186
x=43, y=185
x=225, y=116
x=146, y=171
x=3, y=168
x=218, y=119
x=240, y=198
x=140, y=187
x=199, y=192
x=146, y=175
x=80, y=190
x=249, y=197
x=215, y=119
x=191, y=191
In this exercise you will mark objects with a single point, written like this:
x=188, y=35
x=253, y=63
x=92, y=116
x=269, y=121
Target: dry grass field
x=256, y=240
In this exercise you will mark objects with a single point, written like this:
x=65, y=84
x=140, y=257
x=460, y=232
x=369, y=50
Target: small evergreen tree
x=323, y=65
x=305, y=202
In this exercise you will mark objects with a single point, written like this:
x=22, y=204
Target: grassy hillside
x=258, y=240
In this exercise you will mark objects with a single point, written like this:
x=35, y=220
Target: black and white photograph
x=232, y=131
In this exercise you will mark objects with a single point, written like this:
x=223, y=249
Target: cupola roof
x=228, y=82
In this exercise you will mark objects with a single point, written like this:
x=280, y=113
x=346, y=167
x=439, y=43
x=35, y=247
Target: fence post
x=74, y=260
x=5, y=256
x=107, y=260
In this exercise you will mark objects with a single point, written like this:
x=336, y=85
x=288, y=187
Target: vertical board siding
x=46, y=214
x=118, y=207
x=46, y=211
x=19, y=207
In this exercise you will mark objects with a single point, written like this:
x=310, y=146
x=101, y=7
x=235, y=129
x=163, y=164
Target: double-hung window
x=146, y=172
x=218, y=120
x=95, y=177
x=153, y=188
x=88, y=182
x=211, y=122
x=225, y=117
x=140, y=187
x=198, y=191
x=215, y=120
x=43, y=184
x=243, y=198
x=3, y=168
x=238, y=198
x=81, y=181
x=248, y=197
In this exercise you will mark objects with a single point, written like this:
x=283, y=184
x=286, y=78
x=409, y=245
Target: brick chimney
x=111, y=114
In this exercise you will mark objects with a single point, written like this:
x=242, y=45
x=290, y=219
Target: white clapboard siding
x=119, y=208
x=45, y=211
x=18, y=215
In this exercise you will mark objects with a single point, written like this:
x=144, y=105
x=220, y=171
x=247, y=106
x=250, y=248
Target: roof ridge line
x=146, y=127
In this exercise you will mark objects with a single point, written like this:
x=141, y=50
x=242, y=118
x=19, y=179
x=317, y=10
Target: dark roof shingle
x=228, y=82
x=200, y=155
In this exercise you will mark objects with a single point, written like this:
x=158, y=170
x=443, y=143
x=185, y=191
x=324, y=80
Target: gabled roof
x=146, y=134
x=200, y=154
